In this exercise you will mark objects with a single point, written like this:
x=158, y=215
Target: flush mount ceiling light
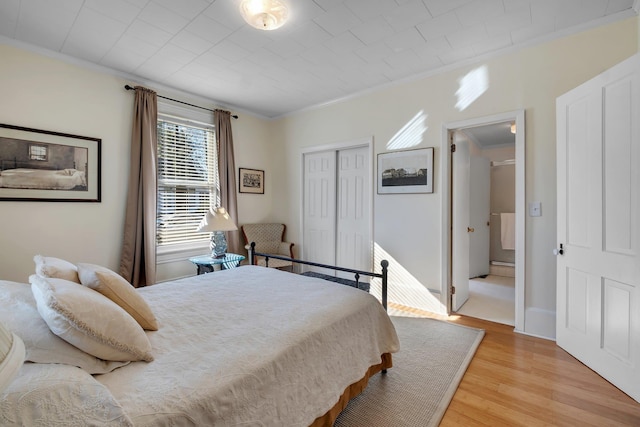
x=264, y=14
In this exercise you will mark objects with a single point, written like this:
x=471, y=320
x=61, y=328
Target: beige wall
x=407, y=228
x=44, y=93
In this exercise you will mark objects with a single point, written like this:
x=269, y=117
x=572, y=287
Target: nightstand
x=206, y=263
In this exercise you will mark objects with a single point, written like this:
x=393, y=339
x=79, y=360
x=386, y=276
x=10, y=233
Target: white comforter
x=251, y=346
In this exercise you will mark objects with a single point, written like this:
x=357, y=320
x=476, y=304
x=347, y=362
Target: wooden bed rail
x=384, y=264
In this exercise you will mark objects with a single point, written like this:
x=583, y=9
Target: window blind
x=187, y=180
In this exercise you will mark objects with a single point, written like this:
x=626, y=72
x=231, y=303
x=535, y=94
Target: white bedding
x=63, y=179
x=251, y=346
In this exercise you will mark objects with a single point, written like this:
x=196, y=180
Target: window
x=38, y=152
x=187, y=181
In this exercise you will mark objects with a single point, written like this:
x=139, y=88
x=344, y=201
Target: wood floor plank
x=519, y=380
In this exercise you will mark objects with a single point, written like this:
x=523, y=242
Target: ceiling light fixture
x=264, y=14
x=513, y=128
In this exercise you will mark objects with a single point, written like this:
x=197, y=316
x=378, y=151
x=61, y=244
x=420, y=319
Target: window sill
x=174, y=253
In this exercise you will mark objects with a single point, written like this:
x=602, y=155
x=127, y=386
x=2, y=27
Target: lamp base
x=218, y=244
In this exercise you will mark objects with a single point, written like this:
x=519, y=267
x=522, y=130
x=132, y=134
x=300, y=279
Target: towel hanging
x=508, y=231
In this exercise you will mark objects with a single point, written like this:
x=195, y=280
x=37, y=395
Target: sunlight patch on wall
x=472, y=86
x=411, y=134
x=403, y=288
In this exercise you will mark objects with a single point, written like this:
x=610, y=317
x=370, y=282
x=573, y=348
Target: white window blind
x=187, y=180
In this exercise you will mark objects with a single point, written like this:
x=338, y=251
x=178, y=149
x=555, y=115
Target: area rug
x=426, y=372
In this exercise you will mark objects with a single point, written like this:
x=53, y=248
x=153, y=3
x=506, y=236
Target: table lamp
x=11, y=356
x=217, y=221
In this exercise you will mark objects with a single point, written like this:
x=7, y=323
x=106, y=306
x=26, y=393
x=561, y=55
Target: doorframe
x=337, y=146
x=446, y=238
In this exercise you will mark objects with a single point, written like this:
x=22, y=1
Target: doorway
x=491, y=230
x=484, y=271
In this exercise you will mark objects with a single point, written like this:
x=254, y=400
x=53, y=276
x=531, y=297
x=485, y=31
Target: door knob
x=470, y=229
x=559, y=251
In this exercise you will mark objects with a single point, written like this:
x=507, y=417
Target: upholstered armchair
x=269, y=240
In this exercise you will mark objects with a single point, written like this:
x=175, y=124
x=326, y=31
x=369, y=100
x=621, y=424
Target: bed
x=33, y=175
x=48, y=179
x=245, y=346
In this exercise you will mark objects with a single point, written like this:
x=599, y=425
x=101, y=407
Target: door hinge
x=453, y=290
x=453, y=148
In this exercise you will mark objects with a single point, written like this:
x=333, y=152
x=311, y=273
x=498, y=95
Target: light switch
x=535, y=209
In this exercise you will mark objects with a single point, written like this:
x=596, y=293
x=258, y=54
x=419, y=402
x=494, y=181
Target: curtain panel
x=227, y=171
x=138, y=259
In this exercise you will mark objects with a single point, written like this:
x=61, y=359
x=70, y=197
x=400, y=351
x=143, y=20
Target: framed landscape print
x=40, y=165
x=251, y=181
x=403, y=172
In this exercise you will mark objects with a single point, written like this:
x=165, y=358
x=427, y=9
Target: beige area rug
x=426, y=372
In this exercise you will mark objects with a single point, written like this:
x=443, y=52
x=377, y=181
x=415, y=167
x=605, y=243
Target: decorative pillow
x=89, y=320
x=55, y=268
x=48, y=394
x=118, y=290
x=20, y=315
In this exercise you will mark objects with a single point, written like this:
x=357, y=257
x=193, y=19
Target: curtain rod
x=127, y=87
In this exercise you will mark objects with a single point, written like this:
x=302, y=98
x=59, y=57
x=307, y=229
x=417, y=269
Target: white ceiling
x=330, y=49
x=493, y=135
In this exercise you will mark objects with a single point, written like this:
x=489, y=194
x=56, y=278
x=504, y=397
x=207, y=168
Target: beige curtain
x=227, y=171
x=138, y=262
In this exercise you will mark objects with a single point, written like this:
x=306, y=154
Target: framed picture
x=40, y=165
x=251, y=181
x=409, y=171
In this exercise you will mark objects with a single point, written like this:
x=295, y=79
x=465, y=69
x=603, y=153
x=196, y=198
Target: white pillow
x=20, y=315
x=55, y=268
x=89, y=320
x=62, y=395
x=118, y=290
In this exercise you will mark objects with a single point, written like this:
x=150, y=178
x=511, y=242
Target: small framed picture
x=409, y=171
x=251, y=181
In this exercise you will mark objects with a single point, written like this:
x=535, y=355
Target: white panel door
x=598, y=271
x=460, y=164
x=479, y=215
x=319, y=208
x=353, y=249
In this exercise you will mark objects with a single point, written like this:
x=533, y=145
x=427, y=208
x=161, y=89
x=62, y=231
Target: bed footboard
x=384, y=264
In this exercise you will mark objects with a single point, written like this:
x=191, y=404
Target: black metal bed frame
x=384, y=265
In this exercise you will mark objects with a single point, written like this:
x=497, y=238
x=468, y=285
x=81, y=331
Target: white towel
x=508, y=231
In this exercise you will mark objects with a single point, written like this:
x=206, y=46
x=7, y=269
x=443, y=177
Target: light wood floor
x=518, y=380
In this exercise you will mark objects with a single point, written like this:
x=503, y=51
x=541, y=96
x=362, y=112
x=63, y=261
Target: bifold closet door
x=319, y=208
x=336, y=208
x=353, y=228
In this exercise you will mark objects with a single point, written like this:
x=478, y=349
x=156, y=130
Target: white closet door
x=353, y=249
x=319, y=211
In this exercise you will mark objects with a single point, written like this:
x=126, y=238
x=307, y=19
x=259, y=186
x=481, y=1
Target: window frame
x=181, y=251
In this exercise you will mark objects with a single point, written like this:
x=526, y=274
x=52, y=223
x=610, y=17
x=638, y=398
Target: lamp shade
x=217, y=219
x=264, y=14
x=11, y=356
